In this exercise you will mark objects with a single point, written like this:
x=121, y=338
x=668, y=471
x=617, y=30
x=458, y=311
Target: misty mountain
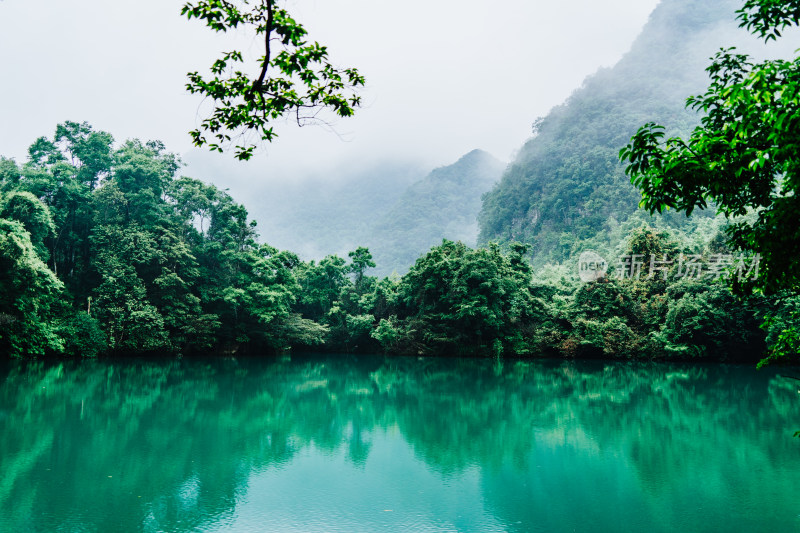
x=312, y=215
x=331, y=214
x=443, y=205
x=566, y=184
x=391, y=207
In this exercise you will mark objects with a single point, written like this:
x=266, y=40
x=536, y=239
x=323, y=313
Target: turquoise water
x=349, y=444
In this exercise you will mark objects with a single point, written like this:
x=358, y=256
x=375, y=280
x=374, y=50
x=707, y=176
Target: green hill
x=566, y=186
x=444, y=205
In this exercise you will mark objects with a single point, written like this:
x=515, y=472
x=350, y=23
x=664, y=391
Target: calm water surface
x=349, y=444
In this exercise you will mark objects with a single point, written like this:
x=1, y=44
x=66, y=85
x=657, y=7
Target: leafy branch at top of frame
x=294, y=78
x=767, y=18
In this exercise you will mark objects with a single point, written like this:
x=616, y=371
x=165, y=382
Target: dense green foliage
x=29, y=292
x=108, y=250
x=744, y=158
x=296, y=82
x=455, y=300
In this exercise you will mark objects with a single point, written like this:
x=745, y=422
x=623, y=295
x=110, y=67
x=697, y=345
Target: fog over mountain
x=443, y=205
x=566, y=187
x=443, y=77
x=398, y=209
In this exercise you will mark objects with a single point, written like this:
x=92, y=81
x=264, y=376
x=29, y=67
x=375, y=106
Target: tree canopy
x=113, y=252
x=744, y=157
x=293, y=79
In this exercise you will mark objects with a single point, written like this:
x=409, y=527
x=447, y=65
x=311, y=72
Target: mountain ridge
x=566, y=185
x=443, y=205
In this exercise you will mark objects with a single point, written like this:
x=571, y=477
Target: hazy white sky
x=444, y=76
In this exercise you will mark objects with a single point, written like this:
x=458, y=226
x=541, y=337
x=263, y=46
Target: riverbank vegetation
x=107, y=249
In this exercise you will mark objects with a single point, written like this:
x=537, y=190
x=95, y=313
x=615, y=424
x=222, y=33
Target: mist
x=442, y=77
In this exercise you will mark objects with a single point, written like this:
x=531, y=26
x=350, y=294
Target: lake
x=373, y=443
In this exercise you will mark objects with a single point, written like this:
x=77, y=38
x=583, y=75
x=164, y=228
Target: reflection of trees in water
x=129, y=444
x=165, y=444
x=119, y=442
x=702, y=445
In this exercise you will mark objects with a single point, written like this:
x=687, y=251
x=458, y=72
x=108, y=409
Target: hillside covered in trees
x=443, y=205
x=567, y=190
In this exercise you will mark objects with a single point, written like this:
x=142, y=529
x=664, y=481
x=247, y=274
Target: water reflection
x=329, y=442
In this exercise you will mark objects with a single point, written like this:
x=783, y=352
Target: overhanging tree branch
x=299, y=76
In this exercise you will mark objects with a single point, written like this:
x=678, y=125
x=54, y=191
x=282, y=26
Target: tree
x=64, y=172
x=705, y=319
x=460, y=301
x=361, y=260
x=33, y=214
x=297, y=81
x=29, y=292
x=744, y=157
x=89, y=151
x=321, y=284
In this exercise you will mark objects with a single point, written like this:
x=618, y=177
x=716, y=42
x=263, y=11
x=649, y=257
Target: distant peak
x=476, y=158
x=476, y=154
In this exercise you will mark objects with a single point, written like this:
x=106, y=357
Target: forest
x=110, y=250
